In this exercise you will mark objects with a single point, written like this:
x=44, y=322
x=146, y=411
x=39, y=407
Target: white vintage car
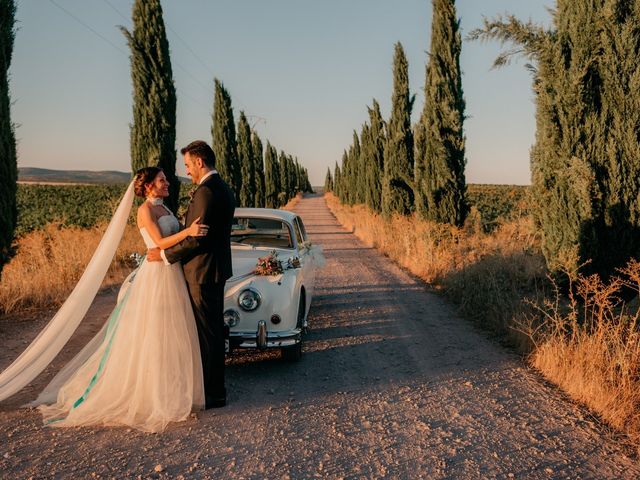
x=270, y=311
x=267, y=311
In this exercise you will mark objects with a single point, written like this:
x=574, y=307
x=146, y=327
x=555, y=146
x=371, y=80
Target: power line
x=191, y=50
x=88, y=27
x=193, y=77
x=102, y=37
x=116, y=10
x=195, y=55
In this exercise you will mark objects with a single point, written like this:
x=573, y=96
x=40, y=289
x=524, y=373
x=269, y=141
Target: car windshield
x=261, y=232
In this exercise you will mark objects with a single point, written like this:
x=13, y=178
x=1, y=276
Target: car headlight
x=231, y=317
x=249, y=300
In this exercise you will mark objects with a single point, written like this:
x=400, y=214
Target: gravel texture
x=392, y=384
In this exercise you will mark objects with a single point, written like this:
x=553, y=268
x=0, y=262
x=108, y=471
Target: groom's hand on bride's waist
x=153, y=255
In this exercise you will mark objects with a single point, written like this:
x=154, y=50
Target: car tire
x=302, y=307
x=292, y=354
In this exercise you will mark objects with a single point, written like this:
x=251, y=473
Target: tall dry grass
x=50, y=262
x=587, y=343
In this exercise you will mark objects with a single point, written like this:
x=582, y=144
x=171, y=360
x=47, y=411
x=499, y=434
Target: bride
x=143, y=369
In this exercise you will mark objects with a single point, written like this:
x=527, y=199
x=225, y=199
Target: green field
x=71, y=205
x=499, y=203
x=87, y=205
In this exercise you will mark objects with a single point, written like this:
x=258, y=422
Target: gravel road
x=392, y=384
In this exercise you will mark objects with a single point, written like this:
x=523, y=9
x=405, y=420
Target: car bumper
x=262, y=339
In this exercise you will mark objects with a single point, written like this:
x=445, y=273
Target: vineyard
x=71, y=205
x=498, y=203
x=88, y=205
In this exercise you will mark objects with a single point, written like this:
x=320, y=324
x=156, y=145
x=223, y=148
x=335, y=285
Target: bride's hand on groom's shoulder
x=153, y=255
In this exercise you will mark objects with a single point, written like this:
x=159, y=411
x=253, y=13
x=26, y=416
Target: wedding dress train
x=143, y=369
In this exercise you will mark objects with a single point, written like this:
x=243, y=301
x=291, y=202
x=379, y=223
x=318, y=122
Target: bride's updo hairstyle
x=144, y=177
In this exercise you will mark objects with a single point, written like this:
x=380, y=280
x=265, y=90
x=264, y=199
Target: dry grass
x=292, y=203
x=587, y=343
x=49, y=263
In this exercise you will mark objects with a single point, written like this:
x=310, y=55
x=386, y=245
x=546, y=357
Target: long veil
x=55, y=335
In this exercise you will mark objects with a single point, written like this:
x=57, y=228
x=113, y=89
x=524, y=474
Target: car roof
x=265, y=213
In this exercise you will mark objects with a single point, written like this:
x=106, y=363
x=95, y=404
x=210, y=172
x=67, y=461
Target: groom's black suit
x=207, y=266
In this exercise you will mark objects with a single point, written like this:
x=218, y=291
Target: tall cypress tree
x=440, y=143
x=337, y=180
x=343, y=191
x=8, y=157
x=354, y=164
x=585, y=169
x=397, y=185
x=247, y=165
x=375, y=158
x=328, y=181
x=271, y=177
x=223, y=131
x=284, y=178
x=299, y=176
x=153, y=132
x=258, y=166
x=363, y=162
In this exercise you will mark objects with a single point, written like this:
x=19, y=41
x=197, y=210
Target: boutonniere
x=192, y=192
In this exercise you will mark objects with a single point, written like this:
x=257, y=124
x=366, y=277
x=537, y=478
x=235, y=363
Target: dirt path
x=392, y=384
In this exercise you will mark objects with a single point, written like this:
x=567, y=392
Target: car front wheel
x=292, y=354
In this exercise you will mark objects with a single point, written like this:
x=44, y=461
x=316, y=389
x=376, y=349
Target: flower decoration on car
x=269, y=265
x=293, y=262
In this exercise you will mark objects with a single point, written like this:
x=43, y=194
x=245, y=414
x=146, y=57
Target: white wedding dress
x=143, y=369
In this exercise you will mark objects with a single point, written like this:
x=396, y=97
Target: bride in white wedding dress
x=143, y=369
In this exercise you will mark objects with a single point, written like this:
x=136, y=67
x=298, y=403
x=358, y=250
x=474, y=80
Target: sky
x=303, y=71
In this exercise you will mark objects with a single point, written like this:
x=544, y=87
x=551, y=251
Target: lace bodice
x=168, y=226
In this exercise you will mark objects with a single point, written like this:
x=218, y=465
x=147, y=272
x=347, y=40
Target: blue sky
x=304, y=71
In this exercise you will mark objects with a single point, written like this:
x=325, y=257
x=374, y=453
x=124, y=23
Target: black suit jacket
x=207, y=260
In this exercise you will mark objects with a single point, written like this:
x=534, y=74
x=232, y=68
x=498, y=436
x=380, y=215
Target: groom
x=207, y=263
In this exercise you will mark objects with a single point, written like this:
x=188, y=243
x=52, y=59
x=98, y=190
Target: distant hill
x=45, y=175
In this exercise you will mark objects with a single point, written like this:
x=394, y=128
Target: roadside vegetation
x=572, y=237
x=586, y=341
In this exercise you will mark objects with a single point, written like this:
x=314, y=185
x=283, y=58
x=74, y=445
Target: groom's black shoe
x=215, y=402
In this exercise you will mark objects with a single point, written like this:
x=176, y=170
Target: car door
x=308, y=264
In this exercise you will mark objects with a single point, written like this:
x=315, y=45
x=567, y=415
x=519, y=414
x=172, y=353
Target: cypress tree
x=296, y=178
x=375, y=158
x=363, y=162
x=585, y=169
x=337, y=181
x=256, y=151
x=354, y=164
x=397, y=185
x=153, y=132
x=343, y=192
x=8, y=156
x=328, y=181
x=299, y=176
x=247, y=165
x=307, y=187
x=271, y=177
x=223, y=132
x=440, y=143
x=283, y=195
